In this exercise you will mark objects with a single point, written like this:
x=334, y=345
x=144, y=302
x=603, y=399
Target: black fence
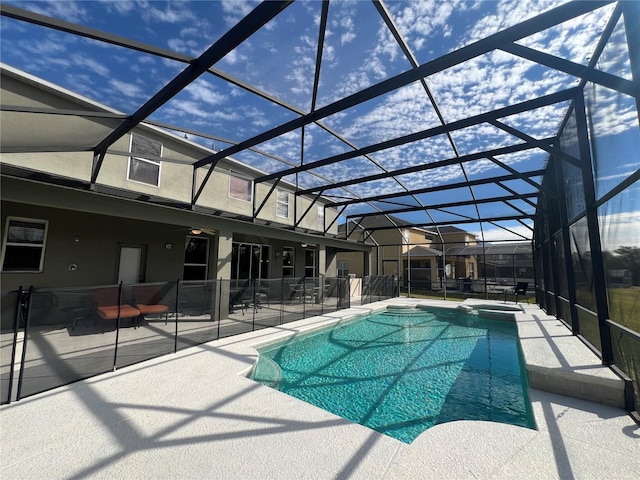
x=53, y=337
x=376, y=288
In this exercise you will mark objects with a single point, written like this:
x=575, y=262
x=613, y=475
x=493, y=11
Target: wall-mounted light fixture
x=303, y=245
x=168, y=246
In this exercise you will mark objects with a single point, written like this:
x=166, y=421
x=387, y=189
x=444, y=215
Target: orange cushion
x=151, y=309
x=110, y=312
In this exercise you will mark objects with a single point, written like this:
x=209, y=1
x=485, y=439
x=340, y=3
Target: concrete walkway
x=194, y=415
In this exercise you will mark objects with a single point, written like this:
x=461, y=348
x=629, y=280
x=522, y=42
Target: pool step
x=268, y=373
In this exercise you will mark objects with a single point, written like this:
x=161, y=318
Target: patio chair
x=108, y=305
x=147, y=299
x=238, y=299
x=311, y=293
x=521, y=289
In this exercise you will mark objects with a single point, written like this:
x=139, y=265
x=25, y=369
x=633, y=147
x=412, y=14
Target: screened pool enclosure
x=526, y=134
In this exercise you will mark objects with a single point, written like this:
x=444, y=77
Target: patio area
x=194, y=414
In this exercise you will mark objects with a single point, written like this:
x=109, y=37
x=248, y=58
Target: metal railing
x=55, y=336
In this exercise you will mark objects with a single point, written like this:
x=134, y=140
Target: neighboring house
x=398, y=244
x=71, y=220
x=619, y=278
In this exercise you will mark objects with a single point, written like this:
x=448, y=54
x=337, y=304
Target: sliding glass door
x=249, y=261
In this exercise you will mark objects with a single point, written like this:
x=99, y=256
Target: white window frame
x=239, y=176
x=146, y=160
x=281, y=203
x=6, y=243
x=321, y=217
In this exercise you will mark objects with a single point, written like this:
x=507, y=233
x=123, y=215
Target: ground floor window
x=343, y=268
x=196, y=256
x=288, y=262
x=24, y=244
x=310, y=263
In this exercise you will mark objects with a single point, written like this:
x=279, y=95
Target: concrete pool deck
x=194, y=415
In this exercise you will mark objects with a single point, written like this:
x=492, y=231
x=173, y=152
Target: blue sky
x=359, y=51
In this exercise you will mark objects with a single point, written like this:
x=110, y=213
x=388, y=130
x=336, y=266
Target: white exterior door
x=129, y=267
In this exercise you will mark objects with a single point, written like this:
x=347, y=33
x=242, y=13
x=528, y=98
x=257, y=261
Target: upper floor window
x=282, y=204
x=24, y=243
x=240, y=188
x=321, y=216
x=143, y=164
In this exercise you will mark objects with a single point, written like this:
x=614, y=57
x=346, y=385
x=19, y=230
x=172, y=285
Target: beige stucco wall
x=64, y=143
x=75, y=165
x=91, y=242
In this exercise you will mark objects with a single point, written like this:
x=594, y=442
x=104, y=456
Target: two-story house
x=141, y=212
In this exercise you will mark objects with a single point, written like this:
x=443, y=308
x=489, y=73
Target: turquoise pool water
x=401, y=372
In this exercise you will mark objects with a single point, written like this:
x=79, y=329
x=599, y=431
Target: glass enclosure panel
x=573, y=190
x=614, y=58
x=614, y=134
x=581, y=261
x=619, y=220
x=588, y=325
x=565, y=311
x=539, y=271
x=573, y=187
x=546, y=248
x=626, y=355
x=563, y=287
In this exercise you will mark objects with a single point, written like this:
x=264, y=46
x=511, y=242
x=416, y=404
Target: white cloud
x=127, y=89
x=202, y=92
x=236, y=10
x=63, y=9
x=184, y=46
x=173, y=12
x=121, y=6
x=496, y=234
x=86, y=62
x=347, y=37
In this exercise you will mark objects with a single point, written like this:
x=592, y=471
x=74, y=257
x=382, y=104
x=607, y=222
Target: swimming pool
x=400, y=372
